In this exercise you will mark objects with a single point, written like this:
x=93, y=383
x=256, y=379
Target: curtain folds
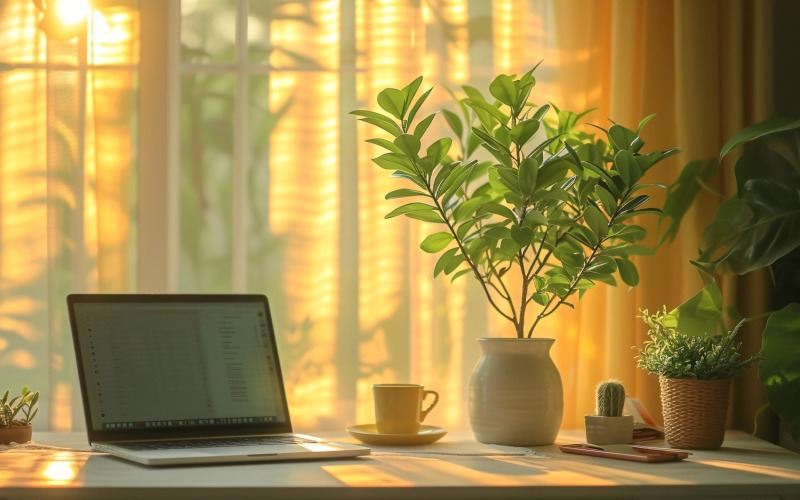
x=705, y=69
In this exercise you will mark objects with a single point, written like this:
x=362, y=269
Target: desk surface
x=745, y=467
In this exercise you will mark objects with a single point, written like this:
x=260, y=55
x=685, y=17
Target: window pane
x=208, y=30
x=205, y=182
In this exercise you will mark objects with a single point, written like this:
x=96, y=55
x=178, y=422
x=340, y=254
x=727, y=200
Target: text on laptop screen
x=169, y=365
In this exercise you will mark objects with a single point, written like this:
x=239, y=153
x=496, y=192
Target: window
x=225, y=160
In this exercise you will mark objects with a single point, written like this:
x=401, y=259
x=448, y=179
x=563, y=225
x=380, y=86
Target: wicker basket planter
x=695, y=412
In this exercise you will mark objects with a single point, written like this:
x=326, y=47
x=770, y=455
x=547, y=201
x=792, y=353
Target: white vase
x=515, y=394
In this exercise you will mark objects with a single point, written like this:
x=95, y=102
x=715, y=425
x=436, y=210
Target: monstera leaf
x=779, y=371
x=755, y=228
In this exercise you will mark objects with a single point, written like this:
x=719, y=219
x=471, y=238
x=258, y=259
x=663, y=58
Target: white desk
x=744, y=468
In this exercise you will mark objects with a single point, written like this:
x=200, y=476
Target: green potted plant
x=757, y=228
x=695, y=373
x=608, y=425
x=16, y=415
x=544, y=216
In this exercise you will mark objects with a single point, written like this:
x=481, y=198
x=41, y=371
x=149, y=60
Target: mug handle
x=424, y=413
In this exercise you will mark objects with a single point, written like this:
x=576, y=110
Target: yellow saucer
x=369, y=434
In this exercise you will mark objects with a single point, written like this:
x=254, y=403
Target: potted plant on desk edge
x=695, y=372
x=546, y=218
x=17, y=430
x=755, y=229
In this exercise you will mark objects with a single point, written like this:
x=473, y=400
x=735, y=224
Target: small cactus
x=610, y=399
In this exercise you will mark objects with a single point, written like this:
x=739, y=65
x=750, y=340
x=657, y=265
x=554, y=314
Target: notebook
x=186, y=379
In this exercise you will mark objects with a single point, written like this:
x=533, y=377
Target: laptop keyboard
x=215, y=443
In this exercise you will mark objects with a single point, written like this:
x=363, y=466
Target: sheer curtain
x=262, y=182
x=66, y=190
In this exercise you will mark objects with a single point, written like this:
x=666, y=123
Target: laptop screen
x=172, y=364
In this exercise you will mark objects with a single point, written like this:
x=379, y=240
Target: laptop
x=186, y=379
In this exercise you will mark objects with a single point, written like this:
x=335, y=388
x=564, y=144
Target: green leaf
x=509, y=177
x=454, y=122
x=608, y=279
x=643, y=123
x=627, y=271
x=467, y=209
x=392, y=101
x=439, y=149
x=551, y=172
x=621, y=137
x=414, y=178
x=409, y=208
x=454, y=182
x=629, y=234
x=422, y=126
x=523, y=236
x=490, y=141
x=569, y=258
x=376, y=117
x=602, y=265
x=528, y=171
x=596, y=221
x=453, y=264
x=772, y=125
x=534, y=218
x=769, y=159
x=757, y=228
x=444, y=261
x=394, y=161
x=408, y=144
x=500, y=210
x=522, y=132
x=425, y=216
x=702, y=314
x=584, y=235
x=606, y=199
x=541, y=112
x=502, y=88
x=419, y=102
x=379, y=141
x=627, y=167
x=390, y=127
x=491, y=110
x=497, y=233
x=473, y=93
x=460, y=274
x=436, y=242
x=541, y=298
x=633, y=203
x=403, y=193
x=444, y=174
x=779, y=371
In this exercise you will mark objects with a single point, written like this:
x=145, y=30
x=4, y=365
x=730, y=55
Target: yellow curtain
x=66, y=164
x=705, y=69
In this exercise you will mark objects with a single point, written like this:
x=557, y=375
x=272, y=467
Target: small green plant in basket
x=673, y=354
x=695, y=367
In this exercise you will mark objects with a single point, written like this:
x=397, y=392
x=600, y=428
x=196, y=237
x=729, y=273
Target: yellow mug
x=398, y=407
